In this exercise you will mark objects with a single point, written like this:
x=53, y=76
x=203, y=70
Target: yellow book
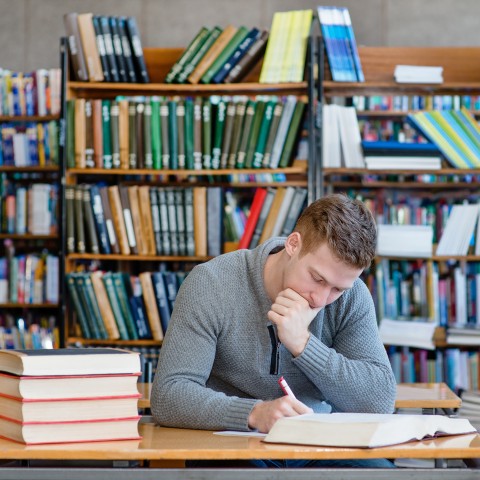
x=41, y=144
x=265, y=74
x=301, y=39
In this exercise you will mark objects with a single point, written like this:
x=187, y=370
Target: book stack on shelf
x=418, y=74
x=69, y=395
x=105, y=48
x=340, y=44
x=116, y=305
x=287, y=47
x=212, y=133
x=219, y=55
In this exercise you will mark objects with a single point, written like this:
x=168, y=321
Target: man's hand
x=265, y=414
x=292, y=315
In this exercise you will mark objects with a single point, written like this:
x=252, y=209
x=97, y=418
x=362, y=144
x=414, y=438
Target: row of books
x=32, y=93
x=29, y=209
x=340, y=44
x=388, y=130
x=219, y=55
x=287, y=47
x=446, y=296
x=148, y=362
x=455, y=132
x=407, y=103
x=193, y=134
x=29, y=145
x=457, y=368
x=273, y=212
x=28, y=330
x=105, y=48
x=116, y=305
x=144, y=220
x=29, y=278
x=70, y=395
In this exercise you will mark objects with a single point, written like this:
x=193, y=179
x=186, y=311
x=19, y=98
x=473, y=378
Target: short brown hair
x=345, y=224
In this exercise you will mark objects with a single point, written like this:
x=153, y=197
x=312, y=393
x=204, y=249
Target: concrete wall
x=30, y=29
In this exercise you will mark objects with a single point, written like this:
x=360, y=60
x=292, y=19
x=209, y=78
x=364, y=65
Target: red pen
x=285, y=388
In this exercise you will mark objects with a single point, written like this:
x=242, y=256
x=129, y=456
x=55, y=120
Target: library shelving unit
x=30, y=242
x=391, y=189
x=158, y=62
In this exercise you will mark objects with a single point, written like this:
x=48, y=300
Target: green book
x=277, y=114
x=193, y=62
x=225, y=54
x=292, y=134
x=115, y=304
x=218, y=128
x=165, y=164
x=247, y=126
x=70, y=140
x=254, y=132
x=70, y=214
x=132, y=134
x=124, y=305
x=107, y=135
x=237, y=130
x=173, y=134
x=114, y=133
x=263, y=134
x=78, y=306
x=187, y=54
x=147, y=135
x=207, y=133
x=92, y=299
x=79, y=280
x=79, y=222
x=189, y=134
x=197, y=134
x=227, y=134
x=155, y=134
x=181, y=133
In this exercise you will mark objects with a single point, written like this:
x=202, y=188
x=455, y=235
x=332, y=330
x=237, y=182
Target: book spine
x=109, y=51
x=106, y=135
x=101, y=48
x=147, y=136
x=75, y=47
x=126, y=50
x=136, y=44
x=155, y=133
x=218, y=129
x=117, y=48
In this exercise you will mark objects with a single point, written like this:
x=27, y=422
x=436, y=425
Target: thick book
x=106, y=311
x=37, y=433
x=255, y=209
x=69, y=361
x=54, y=387
x=137, y=50
x=68, y=409
x=75, y=47
x=363, y=429
x=89, y=47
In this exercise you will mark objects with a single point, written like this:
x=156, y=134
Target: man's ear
x=293, y=243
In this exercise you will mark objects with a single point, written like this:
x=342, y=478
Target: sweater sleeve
x=353, y=373
x=180, y=396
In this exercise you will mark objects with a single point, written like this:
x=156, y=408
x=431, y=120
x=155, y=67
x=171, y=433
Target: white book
x=386, y=162
x=363, y=429
x=407, y=333
x=331, y=152
x=350, y=138
x=282, y=213
x=405, y=240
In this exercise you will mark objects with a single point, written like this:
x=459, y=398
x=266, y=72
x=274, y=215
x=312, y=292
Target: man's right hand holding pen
x=265, y=414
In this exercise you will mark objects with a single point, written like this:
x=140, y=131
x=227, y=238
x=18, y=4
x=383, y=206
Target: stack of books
x=340, y=44
x=287, y=47
x=418, y=74
x=105, y=48
x=219, y=55
x=69, y=395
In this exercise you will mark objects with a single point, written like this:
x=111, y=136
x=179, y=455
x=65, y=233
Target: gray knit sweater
x=216, y=358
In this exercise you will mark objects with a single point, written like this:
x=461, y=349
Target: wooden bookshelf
x=115, y=343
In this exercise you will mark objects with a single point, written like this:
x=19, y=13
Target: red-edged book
x=38, y=433
x=255, y=209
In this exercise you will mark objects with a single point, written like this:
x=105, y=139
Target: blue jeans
x=371, y=463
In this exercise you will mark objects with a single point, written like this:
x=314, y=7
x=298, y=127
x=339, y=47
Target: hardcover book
x=363, y=429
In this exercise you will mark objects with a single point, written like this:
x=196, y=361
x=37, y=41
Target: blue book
x=162, y=299
x=352, y=43
x=237, y=55
x=466, y=120
x=99, y=218
x=331, y=45
x=341, y=37
x=387, y=146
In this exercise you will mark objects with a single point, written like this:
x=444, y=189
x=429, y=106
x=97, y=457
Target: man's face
x=318, y=276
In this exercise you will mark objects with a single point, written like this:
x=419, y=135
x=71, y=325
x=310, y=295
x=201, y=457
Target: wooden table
x=171, y=444
x=409, y=395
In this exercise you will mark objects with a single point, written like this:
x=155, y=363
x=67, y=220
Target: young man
x=293, y=307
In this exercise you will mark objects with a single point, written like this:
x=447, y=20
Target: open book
x=363, y=429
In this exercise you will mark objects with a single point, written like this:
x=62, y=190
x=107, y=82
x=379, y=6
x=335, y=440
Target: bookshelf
x=408, y=191
x=296, y=176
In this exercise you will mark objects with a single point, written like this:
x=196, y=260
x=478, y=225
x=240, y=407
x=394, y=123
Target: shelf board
x=138, y=343
x=113, y=89
x=349, y=89
x=28, y=118
x=327, y=171
x=29, y=305
x=27, y=236
x=300, y=168
x=395, y=113
x=434, y=258
x=36, y=168
x=404, y=185
x=137, y=258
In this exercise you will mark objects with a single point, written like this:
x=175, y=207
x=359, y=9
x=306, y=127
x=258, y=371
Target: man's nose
x=320, y=297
